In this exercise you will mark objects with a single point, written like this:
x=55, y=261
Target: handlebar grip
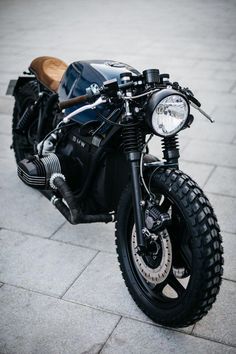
x=73, y=101
x=195, y=101
x=127, y=85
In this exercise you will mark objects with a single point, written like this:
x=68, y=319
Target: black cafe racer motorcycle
x=81, y=135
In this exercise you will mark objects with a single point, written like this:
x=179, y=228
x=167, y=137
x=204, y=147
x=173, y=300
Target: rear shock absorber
x=28, y=116
x=170, y=149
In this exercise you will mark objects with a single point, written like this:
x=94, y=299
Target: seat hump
x=49, y=71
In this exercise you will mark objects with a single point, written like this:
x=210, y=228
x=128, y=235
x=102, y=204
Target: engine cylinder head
x=36, y=172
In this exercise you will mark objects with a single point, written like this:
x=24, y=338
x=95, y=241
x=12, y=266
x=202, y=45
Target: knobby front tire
x=196, y=247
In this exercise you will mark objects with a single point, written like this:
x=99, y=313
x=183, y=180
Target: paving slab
x=34, y=323
x=38, y=264
x=229, y=244
x=5, y=143
x=3, y=88
x=97, y=236
x=216, y=64
x=111, y=293
x=224, y=115
x=223, y=74
x=234, y=90
x=26, y=210
x=186, y=73
x=220, y=323
x=211, y=153
x=5, y=124
x=212, y=85
x=200, y=50
x=130, y=337
x=101, y=285
x=8, y=176
x=6, y=104
x=202, y=129
x=222, y=181
x=224, y=208
x=11, y=62
x=209, y=98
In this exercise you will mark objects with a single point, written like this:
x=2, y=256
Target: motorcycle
x=81, y=135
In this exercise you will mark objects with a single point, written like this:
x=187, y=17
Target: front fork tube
x=134, y=161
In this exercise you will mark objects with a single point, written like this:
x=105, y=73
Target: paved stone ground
x=60, y=287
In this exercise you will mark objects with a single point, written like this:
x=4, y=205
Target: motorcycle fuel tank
x=81, y=74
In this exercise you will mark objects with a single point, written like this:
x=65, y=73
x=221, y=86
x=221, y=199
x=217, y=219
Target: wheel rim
x=173, y=286
x=156, y=267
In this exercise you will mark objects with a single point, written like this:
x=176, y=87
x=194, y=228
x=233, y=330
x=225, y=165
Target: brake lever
x=201, y=111
x=194, y=102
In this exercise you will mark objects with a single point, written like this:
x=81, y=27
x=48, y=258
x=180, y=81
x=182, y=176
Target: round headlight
x=167, y=112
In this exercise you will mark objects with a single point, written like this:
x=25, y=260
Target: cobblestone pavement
x=60, y=287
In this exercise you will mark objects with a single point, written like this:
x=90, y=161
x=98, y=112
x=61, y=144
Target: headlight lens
x=170, y=115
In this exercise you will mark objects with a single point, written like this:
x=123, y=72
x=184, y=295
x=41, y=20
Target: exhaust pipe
x=72, y=212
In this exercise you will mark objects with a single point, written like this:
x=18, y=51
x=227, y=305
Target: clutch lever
x=201, y=111
x=192, y=100
x=99, y=101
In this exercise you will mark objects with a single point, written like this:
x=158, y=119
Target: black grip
x=73, y=101
x=194, y=100
x=126, y=85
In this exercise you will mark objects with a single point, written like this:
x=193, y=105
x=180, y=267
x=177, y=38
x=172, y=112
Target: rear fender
x=14, y=85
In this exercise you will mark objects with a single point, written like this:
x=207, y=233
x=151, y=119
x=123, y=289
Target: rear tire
x=195, y=246
x=23, y=143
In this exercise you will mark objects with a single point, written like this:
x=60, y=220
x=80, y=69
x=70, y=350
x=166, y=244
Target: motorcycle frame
x=133, y=160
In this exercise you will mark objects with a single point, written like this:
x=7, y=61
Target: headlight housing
x=167, y=112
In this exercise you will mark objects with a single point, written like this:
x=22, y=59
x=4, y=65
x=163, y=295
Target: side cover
x=81, y=74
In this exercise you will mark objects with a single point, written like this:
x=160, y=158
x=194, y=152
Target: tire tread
x=206, y=241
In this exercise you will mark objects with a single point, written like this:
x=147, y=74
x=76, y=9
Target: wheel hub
x=156, y=266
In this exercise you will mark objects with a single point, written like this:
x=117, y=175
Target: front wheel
x=177, y=282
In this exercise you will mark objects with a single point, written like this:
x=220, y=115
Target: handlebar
x=73, y=101
x=99, y=101
x=109, y=87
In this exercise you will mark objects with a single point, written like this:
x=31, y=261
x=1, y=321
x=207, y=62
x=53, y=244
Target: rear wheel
x=23, y=143
x=177, y=282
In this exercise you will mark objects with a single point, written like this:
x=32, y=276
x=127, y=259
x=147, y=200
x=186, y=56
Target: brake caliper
x=155, y=219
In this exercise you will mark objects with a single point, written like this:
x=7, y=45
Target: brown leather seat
x=49, y=71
